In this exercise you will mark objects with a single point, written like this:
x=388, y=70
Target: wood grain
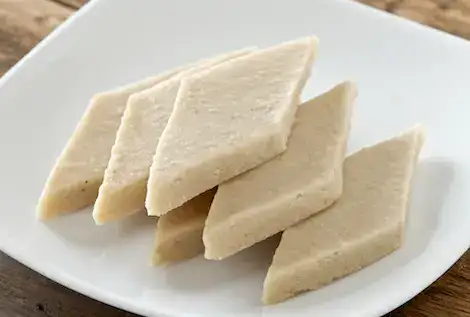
x=23, y=23
x=452, y=16
x=24, y=293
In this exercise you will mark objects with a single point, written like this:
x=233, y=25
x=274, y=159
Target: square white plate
x=406, y=73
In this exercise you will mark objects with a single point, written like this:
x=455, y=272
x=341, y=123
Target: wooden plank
x=452, y=16
x=24, y=293
x=23, y=23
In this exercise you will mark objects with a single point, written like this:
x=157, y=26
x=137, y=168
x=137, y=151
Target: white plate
x=406, y=73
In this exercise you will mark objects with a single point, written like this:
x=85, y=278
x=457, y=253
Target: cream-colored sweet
x=125, y=180
x=364, y=225
x=301, y=181
x=78, y=172
x=227, y=120
x=179, y=233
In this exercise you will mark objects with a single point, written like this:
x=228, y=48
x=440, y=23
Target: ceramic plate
x=406, y=73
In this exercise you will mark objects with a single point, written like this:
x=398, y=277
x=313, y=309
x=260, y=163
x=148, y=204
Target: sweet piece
x=125, y=180
x=227, y=120
x=364, y=225
x=303, y=180
x=78, y=172
x=179, y=233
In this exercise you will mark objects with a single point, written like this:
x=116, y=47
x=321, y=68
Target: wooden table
x=24, y=293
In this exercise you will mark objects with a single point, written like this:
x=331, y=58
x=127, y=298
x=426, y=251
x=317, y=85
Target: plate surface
x=406, y=73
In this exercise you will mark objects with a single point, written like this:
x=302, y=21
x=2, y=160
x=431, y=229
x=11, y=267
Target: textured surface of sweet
x=227, y=120
x=125, y=180
x=303, y=180
x=179, y=233
x=364, y=225
x=78, y=172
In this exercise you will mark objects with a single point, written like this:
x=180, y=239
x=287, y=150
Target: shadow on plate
x=232, y=269
x=80, y=229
